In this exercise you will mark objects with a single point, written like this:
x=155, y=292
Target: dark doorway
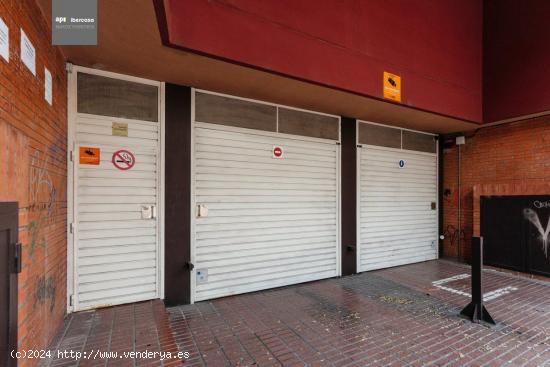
x=8, y=281
x=516, y=232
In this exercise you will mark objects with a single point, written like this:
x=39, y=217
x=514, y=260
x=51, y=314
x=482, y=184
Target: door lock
x=202, y=211
x=148, y=212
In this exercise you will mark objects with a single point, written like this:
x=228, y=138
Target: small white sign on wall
x=4, y=40
x=48, y=86
x=28, y=53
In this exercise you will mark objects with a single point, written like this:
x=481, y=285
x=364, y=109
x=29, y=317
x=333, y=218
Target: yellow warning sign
x=392, y=86
x=89, y=155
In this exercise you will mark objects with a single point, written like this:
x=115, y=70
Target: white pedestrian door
x=115, y=210
x=272, y=203
x=397, y=207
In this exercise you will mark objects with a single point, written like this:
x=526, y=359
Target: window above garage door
x=391, y=137
x=238, y=112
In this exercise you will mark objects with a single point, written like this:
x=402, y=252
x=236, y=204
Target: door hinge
x=17, y=258
x=71, y=228
x=71, y=156
x=71, y=303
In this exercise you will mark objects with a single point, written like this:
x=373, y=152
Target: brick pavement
x=135, y=327
x=392, y=317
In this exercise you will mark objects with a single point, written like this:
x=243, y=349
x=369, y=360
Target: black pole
x=475, y=310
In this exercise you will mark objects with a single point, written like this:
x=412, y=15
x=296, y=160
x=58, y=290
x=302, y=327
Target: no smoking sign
x=123, y=159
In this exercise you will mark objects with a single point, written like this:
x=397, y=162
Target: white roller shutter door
x=116, y=250
x=271, y=222
x=397, y=222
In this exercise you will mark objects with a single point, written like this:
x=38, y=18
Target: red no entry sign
x=277, y=152
x=123, y=159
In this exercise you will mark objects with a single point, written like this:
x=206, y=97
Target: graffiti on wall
x=46, y=191
x=533, y=217
x=42, y=189
x=42, y=194
x=45, y=290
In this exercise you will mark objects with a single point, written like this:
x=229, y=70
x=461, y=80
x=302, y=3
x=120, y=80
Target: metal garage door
x=271, y=221
x=116, y=197
x=397, y=214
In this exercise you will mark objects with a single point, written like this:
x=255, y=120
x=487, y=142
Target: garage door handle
x=189, y=266
x=17, y=258
x=350, y=248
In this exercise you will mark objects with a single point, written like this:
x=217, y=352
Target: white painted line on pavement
x=489, y=296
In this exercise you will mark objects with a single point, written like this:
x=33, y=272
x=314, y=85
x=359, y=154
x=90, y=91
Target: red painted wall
x=435, y=45
x=516, y=58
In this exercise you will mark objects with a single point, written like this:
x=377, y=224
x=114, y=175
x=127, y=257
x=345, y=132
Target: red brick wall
x=511, y=159
x=33, y=171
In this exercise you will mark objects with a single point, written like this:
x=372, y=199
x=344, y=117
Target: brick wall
x=33, y=171
x=511, y=159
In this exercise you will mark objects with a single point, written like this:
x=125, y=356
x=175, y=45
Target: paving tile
x=103, y=335
x=391, y=317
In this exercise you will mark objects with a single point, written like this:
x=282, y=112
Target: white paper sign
x=48, y=86
x=4, y=41
x=28, y=53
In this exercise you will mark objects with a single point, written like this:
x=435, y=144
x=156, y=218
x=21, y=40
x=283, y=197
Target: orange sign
x=392, y=86
x=89, y=155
